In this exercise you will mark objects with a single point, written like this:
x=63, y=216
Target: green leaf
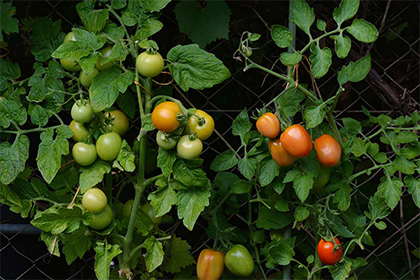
x=224, y=161
x=8, y=70
x=321, y=60
x=63, y=220
x=126, y=158
x=242, y=186
x=118, y=4
x=154, y=255
x=195, y=68
x=321, y=25
x=290, y=59
x=338, y=227
x=363, y=31
x=282, y=253
x=46, y=84
x=346, y=10
x=314, y=115
x=143, y=223
x=341, y=271
x=166, y=160
x=404, y=165
x=39, y=116
x=11, y=111
x=46, y=37
x=390, y=189
x=378, y=209
x=289, y=102
x=189, y=175
x=76, y=245
x=105, y=253
x=354, y=71
x=149, y=27
x=281, y=36
x=413, y=186
x=93, y=20
x=191, y=203
x=381, y=157
x=106, y=86
x=302, y=15
x=13, y=158
x=406, y=137
x=342, y=45
x=359, y=147
x=154, y=6
x=127, y=104
x=269, y=170
x=162, y=200
x=273, y=219
x=203, y=25
x=178, y=256
x=36, y=189
x=241, y=124
x=50, y=151
x=342, y=197
x=302, y=185
x=301, y=213
x=113, y=31
x=8, y=24
x=380, y=225
x=247, y=167
x=52, y=243
x=93, y=174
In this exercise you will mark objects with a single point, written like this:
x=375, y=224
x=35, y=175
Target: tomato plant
x=189, y=149
x=239, y=261
x=268, y=125
x=81, y=111
x=84, y=154
x=296, y=141
x=210, y=265
x=118, y=121
x=327, y=252
x=203, y=125
x=108, y=146
x=149, y=64
x=94, y=200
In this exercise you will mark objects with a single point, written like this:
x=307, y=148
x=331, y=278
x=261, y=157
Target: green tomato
x=86, y=79
x=118, y=121
x=79, y=131
x=239, y=261
x=248, y=52
x=69, y=65
x=82, y=111
x=149, y=65
x=106, y=52
x=276, y=234
x=189, y=149
x=102, y=219
x=108, y=146
x=69, y=37
x=84, y=154
x=128, y=206
x=94, y=200
x=321, y=180
x=164, y=142
x=148, y=209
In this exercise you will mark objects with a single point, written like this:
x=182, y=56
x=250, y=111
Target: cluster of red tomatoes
x=295, y=142
x=107, y=145
x=168, y=118
x=238, y=260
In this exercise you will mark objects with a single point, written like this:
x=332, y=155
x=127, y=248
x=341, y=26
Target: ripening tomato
x=268, y=125
x=79, y=131
x=210, y=265
x=86, y=79
x=164, y=116
x=106, y=52
x=326, y=252
x=84, y=154
x=239, y=261
x=118, y=121
x=205, y=130
x=279, y=154
x=82, y=111
x=164, y=142
x=149, y=65
x=189, y=149
x=328, y=150
x=108, y=146
x=296, y=140
x=94, y=200
x=102, y=219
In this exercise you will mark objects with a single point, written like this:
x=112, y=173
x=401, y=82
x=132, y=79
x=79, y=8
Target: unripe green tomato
x=164, y=142
x=276, y=234
x=119, y=121
x=248, y=52
x=189, y=149
x=106, y=52
x=84, y=154
x=79, y=131
x=148, y=209
x=69, y=65
x=69, y=37
x=82, y=111
x=239, y=261
x=108, y=146
x=128, y=206
x=149, y=65
x=86, y=79
x=102, y=219
x=94, y=200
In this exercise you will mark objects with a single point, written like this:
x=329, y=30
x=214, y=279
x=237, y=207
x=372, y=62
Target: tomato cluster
x=171, y=123
x=96, y=202
x=238, y=260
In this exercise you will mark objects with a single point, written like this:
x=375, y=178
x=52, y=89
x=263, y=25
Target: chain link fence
x=392, y=88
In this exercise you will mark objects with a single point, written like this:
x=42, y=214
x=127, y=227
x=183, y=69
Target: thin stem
x=354, y=176
x=153, y=179
x=316, y=40
x=24, y=131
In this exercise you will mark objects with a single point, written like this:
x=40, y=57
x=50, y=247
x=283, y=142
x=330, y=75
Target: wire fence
x=392, y=88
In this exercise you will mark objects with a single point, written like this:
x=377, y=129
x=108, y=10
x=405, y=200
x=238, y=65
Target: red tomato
x=296, y=140
x=326, y=252
x=328, y=150
x=279, y=154
x=210, y=265
x=164, y=116
x=268, y=125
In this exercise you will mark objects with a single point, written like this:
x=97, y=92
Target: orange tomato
x=210, y=265
x=328, y=150
x=279, y=154
x=164, y=116
x=268, y=125
x=296, y=140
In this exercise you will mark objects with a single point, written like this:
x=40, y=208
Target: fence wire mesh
x=392, y=88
